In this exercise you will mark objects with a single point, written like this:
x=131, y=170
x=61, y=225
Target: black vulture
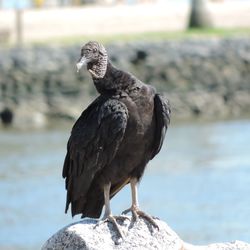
x=113, y=139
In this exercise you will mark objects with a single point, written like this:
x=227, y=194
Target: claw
x=126, y=211
x=112, y=219
x=138, y=213
x=121, y=217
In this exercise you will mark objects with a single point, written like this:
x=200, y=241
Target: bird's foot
x=136, y=212
x=113, y=219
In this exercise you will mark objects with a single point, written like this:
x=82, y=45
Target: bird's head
x=94, y=55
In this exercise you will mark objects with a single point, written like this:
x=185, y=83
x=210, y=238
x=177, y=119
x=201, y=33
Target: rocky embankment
x=201, y=78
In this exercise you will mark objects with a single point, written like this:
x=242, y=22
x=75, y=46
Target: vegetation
x=153, y=36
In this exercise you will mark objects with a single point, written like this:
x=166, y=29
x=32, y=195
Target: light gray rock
x=138, y=235
x=236, y=245
x=83, y=235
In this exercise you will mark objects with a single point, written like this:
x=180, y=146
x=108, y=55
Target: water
x=199, y=184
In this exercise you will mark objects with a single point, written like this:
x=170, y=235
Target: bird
x=113, y=139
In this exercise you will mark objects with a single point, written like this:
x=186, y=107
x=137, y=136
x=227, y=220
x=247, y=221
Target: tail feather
x=117, y=187
x=92, y=205
x=89, y=205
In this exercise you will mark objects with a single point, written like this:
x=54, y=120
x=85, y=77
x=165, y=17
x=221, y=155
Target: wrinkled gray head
x=94, y=55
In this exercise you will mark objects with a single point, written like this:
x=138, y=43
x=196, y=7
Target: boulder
x=141, y=235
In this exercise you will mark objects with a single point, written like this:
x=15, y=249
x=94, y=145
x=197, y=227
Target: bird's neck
x=99, y=68
x=114, y=81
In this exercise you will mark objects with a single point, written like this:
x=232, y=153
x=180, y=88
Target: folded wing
x=162, y=113
x=94, y=141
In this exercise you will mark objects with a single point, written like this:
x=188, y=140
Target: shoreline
x=203, y=79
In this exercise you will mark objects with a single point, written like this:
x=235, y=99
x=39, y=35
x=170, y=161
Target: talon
x=126, y=211
x=148, y=218
x=100, y=222
x=111, y=219
x=121, y=217
x=138, y=213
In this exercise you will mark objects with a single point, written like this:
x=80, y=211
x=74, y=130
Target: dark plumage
x=113, y=139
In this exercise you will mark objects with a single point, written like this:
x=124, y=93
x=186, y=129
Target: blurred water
x=199, y=184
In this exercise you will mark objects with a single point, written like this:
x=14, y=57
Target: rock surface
x=138, y=235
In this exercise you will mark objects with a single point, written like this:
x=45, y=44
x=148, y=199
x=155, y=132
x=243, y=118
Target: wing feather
x=162, y=113
x=94, y=141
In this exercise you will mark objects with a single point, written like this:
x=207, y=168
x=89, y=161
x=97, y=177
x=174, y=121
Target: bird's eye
x=95, y=50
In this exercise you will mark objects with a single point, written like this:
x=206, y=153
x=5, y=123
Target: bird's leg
x=106, y=190
x=134, y=209
x=108, y=217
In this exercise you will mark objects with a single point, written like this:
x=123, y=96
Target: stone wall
x=202, y=78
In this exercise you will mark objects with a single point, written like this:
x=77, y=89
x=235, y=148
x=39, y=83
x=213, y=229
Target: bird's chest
x=137, y=142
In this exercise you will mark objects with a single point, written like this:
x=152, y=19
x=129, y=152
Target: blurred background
x=196, y=53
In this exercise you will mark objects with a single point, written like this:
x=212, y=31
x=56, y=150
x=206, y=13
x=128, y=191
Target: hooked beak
x=82, y=61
